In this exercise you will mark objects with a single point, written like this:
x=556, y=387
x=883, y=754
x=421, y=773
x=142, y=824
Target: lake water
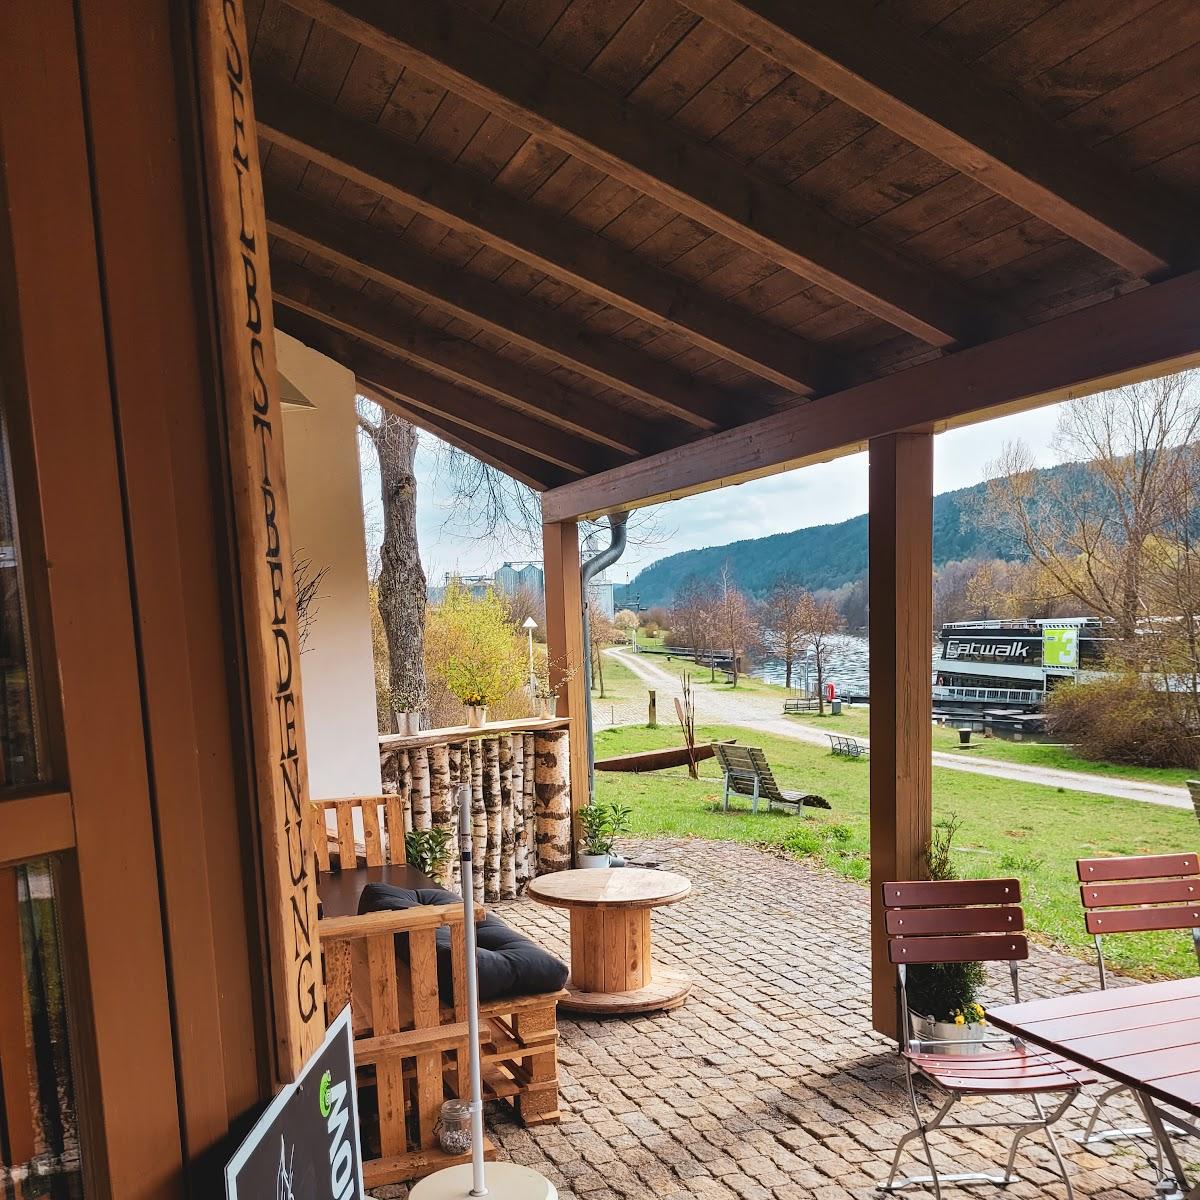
x=849, y=667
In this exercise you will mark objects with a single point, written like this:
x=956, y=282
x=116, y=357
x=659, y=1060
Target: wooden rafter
x=397, y=264
x=529, y=391
x=543, y=240
x=469, y=409
x=1150, y=331
x=952, y=111
x=481, y=62
x=526, y=469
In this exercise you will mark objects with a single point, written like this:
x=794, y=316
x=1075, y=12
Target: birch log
x=441, y=803
x=455, y=753
x=404, y=787
x=520, y=858
x=531, y=865
x=420, y=788
x=491, y=802
x=508, y=861
x=552, y=782
x=478, y=818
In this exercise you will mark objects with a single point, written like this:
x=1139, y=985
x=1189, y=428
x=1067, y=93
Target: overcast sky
x=819, y=495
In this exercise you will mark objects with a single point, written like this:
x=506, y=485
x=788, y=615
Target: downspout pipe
x=587, y=572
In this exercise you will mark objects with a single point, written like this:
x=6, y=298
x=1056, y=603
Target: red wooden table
x=1146, y=1036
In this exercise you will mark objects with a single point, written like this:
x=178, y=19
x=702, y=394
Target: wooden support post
x=652, y=715
x=16, y=1082
x=901, y=629
x=564, y=639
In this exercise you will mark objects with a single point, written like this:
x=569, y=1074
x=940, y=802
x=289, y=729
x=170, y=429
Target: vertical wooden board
x=345, y=827
x=901, y=628
x=394, y=816
x=385, y=1018
x=320, y=836
x=458, y=967
x=372, y=840
x=241, y=280
x=16, y=1083
x=616, y=922
x=336, y=953
x=422, y=952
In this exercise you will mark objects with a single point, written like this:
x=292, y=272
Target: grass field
x=1033, y=832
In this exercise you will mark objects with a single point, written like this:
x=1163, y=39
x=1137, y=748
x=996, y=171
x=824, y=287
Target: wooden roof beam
x=408, y=175
x=522, y=467
x=529, y=391
x=951, y=110
x=478, y=60
x=397, y=264
x=1152, y=331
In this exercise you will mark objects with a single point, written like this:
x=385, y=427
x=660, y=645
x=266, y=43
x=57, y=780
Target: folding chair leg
x=922, y=1130
x=1047, y=1123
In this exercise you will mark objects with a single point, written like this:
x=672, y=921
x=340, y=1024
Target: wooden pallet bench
x=847, y=746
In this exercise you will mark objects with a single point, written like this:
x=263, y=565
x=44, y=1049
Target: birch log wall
x=520, y=778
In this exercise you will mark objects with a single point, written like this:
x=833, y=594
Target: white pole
x=478, y=1183
x=532, y=678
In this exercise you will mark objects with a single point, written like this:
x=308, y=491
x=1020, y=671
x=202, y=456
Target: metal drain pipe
x=587, y=572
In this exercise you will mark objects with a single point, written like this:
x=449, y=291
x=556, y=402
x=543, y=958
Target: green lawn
x=1032, y=832
x=620, y=683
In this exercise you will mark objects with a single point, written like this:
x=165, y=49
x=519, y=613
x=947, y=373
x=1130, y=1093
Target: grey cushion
x=509, y=963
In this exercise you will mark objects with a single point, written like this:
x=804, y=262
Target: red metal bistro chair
x=1136, y=894
x=975, y=920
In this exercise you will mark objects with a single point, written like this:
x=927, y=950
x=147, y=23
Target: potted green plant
x=943, y=998
x=596, y=842
x=406, y=707
x=619, y=824
x=428, y=850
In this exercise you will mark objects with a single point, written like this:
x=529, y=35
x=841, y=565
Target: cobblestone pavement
x=768, y=1084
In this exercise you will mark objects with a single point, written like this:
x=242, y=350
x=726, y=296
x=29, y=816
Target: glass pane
x=39, y=1137
x=20, y=760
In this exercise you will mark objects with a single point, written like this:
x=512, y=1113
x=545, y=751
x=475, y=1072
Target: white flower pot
x=477, y=715
x=593, y=860
x=957, y=1039
x=545, y=706
x=408, y=722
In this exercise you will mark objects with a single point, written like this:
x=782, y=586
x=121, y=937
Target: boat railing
x=989, y=695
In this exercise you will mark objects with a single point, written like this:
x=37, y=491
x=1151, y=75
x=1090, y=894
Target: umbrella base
x=505, y=1181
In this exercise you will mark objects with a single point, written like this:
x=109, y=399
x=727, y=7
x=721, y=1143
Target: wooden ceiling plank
x=522, y=467
x=411, y=178
x=956, y=114
x=1152, y=331
x=544, y=330
x=533, y=393
x=477, y=60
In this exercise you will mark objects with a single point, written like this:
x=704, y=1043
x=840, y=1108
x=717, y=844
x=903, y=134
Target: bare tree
x=401, y=582
x=821, y=623
x=1090, y=528
x=737, y=628
x=783, y=630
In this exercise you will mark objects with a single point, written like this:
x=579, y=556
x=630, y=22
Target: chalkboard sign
x=306, y=1145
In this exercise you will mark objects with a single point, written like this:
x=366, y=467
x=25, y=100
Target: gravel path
x=755, y=710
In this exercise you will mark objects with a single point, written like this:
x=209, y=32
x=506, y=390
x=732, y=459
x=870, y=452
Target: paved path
x=756, y=710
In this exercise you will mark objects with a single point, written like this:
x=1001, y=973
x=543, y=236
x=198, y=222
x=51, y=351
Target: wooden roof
x=575, y=235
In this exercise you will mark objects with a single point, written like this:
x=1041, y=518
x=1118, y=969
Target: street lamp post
x=529, y=626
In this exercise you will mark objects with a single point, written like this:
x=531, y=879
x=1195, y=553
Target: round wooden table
x=611, y=966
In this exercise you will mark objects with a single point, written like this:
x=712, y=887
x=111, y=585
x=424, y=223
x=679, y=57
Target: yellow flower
x=977, y=1009
x=959, y=1019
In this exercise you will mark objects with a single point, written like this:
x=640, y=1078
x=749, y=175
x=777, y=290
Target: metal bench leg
x=725, y=798
x=754, y=799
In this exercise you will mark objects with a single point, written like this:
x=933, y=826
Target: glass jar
x=453, y=1127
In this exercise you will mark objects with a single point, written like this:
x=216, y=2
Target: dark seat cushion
x=509, y=963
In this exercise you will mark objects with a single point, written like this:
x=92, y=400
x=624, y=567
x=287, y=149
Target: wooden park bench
x=801, y=704
x=847, y=746
x=747, y=773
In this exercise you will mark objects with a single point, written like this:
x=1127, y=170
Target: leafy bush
x=1121, y=718
x=473, y=650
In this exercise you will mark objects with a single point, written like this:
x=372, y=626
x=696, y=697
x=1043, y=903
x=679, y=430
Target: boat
x=654, y=760
x=1007, y=668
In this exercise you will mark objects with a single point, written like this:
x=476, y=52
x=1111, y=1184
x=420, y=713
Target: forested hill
x=824, y=556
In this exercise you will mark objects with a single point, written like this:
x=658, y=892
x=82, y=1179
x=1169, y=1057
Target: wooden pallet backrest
x=367, y=831
x=1140, y=893
x=393, y=990
x=955, y=920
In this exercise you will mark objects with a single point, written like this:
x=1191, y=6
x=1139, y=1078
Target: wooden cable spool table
x=612, y=971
